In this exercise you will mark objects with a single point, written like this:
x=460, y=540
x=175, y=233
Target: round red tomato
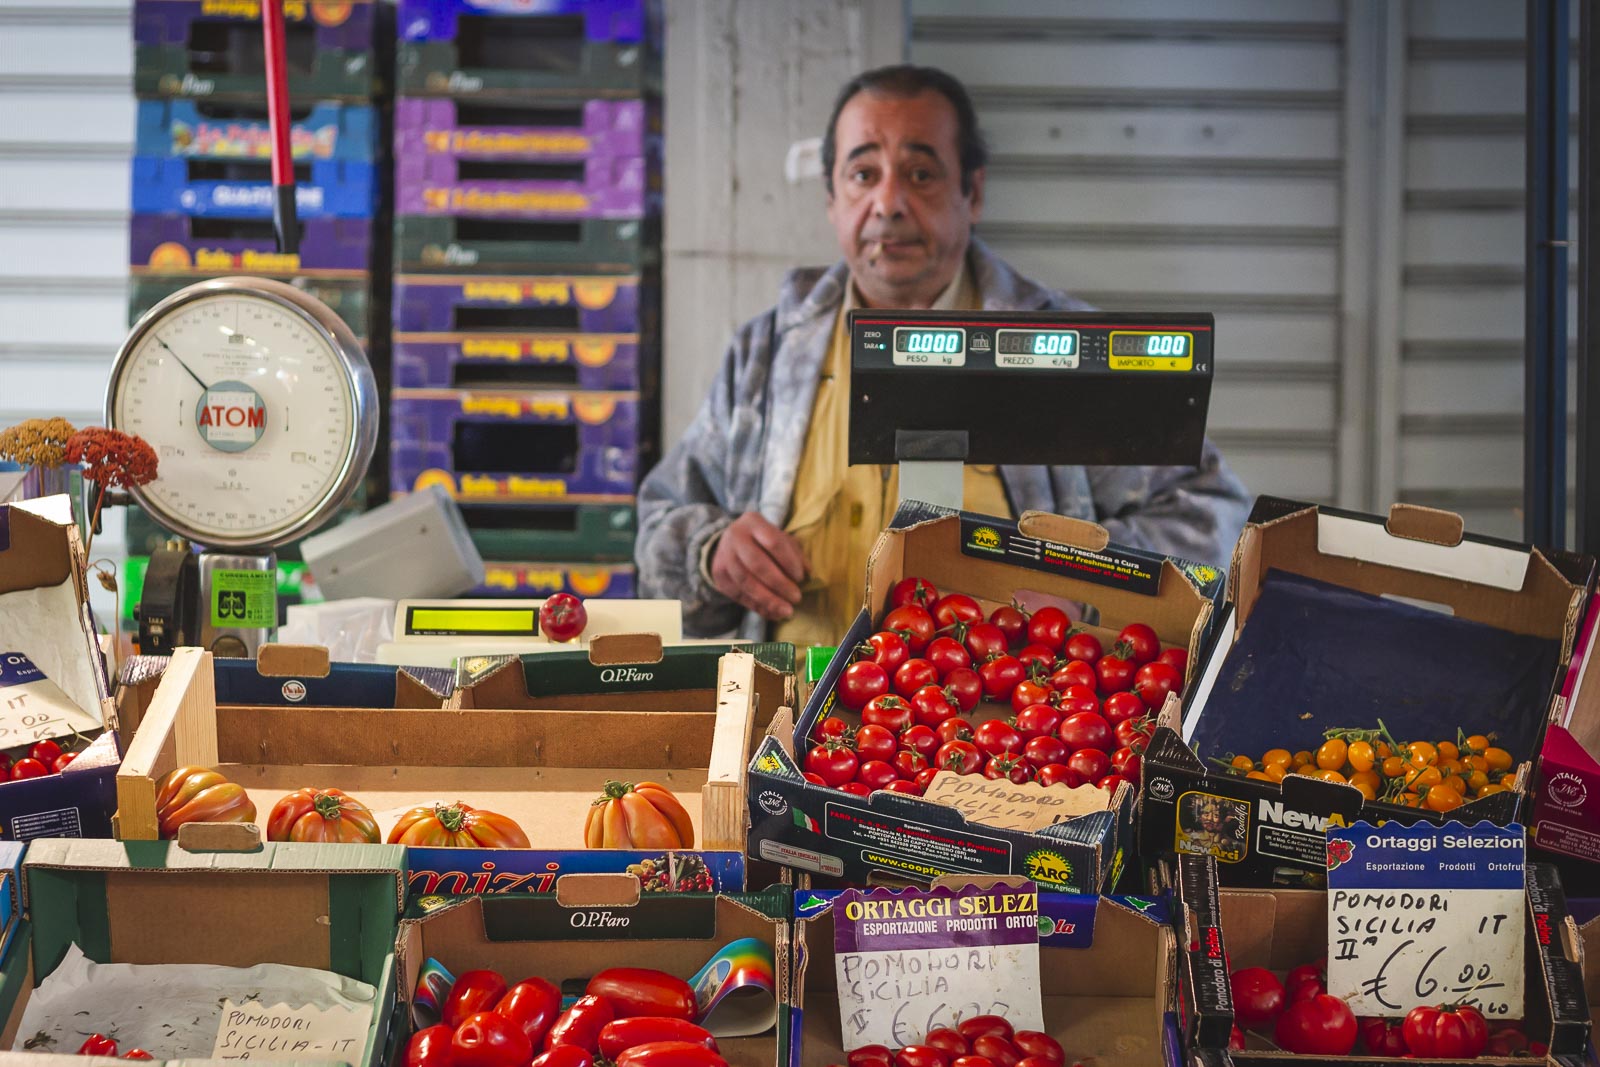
x=1074, y=672
x=855, y=788
x=913, y=675
x=985, y=640
x=997, y=738
x=1011, y=767
x=925, y=779
x=1128, y=763
x=953, y=730
x=1038, y=720
x=1258, y=996
x=562, y=617
x=814, y=779
x=947, y=654
x=61, y=764
x=1175, y=657
x=1110, y=782
x=956, y=607
x=1142, y=642
x=885, y=648
x=1012, y=622
x=1120, y=707
x=46, y=752
x=978, y=1025
x=1322, y=1026
x=891, y=712
x=1116, y=673
x=1091, y=763
x=833, y=762
x=1307, y=981
x=1000, y=676
x=876, y=742
x=918, y=591
x=951, y=1042
x=1077, y=699
x=832, y=728
x=1133, y=733
x=1028, y=693
x=1039, y=1046
x=1043, y=751
x=28, y=767
x=1058, y=774
x=907, y=786
x=870, y=1055
x=909, y=764
x=1235, y=1039
x=1086, y=729
x=964, y=688
x=1048, y=627
x=920, y=739
x=1083, y=646
x=961, y=757
x=860, y=683
x=1037, y=659
x=875, y=774
x=1154, y=681
x=931, y=706
x=912, y=623
x=1458, y=1033
x=996, y=1049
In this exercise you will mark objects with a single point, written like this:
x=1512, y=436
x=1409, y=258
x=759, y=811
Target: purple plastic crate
x=586, y=361
x=621, y=21
x=425, y=303
x=506, y=446
x=425, y=127
x=530, y=580
x=610, y=188
x=166, y=244
x=347, y=24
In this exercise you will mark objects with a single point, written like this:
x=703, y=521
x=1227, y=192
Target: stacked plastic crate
x=527, y=296
x=201, y=190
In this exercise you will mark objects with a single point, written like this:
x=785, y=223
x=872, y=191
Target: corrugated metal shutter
x=66, y=133
x=1164, y=154
x=1461, y=351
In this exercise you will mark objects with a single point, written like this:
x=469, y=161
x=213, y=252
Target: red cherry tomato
x=429, y=1047
x=1133, y=733
x=1110, y=782
x=907, y=786
x=1309, y=975
x=137, y=1054
x=889, y=711
x=1155, y=680
x=1049, y=627
x=913, y=675
x=833, y=762
x=1083, y=646
x=1176, y=658
x=581, y=1024
x=474, y=992
x=1043, y=751
x=1037, y=1045
x=921, y=740
x=1037, y=658
x=1322, y=1026
x=619, y=1035
x=996, y=1049
x=1142, y=642
x=962, y=757
x=870, y=1056
x=1127, y=763
x=1447, y=1033
x=944, y=1038
x=931, y=706
x=98, y=1045
x=814, y=779
x=964, y=688
x=1258, y=997
x=876, y=774
x=947, y=654
x=876, y=743
x=60, y=765
x=1074, y=672
x=1092, y=763
x=1012, y=768
x=985, y=641
x=997, y=738
x=488, y=1039
x=562, y=617
x=1235, y=1039
x=956, y=607
x=855, y=789
x=885, y=648
x=912, y=623
x=978, y=1025
x=925, y=779
x=28, y=767
x=46, y=752
x=1038, y=720
x=1012, y=622
x=1116, y=673
x=1058, y=774
x=908, y=764
x=1000, y=676
x=1078, y=698
x=953, y=730
x=860, y=682
x=831, y=729
x=1119, y=707
x=1086, y=729
x=1028, y=693
x=532, y=1004
x=918, y=591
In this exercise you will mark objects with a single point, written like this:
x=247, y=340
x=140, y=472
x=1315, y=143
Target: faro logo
x=772, y=803
x=606, y=920
x=294, y=690
x=1046, y=865
x=1567, y=790
x=625, y=674
x=986, y=538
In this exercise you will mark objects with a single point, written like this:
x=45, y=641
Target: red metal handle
x=278, y=122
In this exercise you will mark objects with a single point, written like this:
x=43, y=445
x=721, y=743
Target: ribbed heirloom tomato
x=322, y=815
x=645, y=815
x=198, y=794
x=456, y=826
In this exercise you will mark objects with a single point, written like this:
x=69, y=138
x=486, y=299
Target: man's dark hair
x=902, y=81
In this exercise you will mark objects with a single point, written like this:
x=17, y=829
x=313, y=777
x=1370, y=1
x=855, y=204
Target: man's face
x=897, y=207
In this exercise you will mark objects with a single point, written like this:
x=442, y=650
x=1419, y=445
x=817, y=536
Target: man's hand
x=758, y=565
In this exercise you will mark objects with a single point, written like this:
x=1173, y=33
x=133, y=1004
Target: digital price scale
x=263, y=411
x=933, y=390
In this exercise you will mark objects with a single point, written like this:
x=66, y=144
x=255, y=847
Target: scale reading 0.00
x=924, y=347
x=1150, y=344
x=1053, y=349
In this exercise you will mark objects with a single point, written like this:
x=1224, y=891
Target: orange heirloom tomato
x=456, y=826
x=646, y=815
x=322, y=815
x=199, y=794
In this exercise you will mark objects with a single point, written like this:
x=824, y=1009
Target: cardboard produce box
x=1566, y=807
x=542, y=768
x=1044, y=559
x=52, y=679
x=1107, y=971
x=595, y=921
x=330, y=907
x=1284, y=928
x=1328, y=575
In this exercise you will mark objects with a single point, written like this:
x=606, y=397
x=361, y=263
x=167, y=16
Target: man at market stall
x=754, y=520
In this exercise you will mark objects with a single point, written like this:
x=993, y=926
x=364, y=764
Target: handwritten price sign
x=1426, y=915
x=33, y=708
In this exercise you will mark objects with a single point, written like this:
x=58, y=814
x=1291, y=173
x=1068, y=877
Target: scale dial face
x=259, y=403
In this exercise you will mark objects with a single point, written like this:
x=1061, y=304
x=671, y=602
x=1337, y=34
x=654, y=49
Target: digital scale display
x=914, y=347
x=1045, y=349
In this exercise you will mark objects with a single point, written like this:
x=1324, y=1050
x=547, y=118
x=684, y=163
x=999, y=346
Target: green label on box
x=244, y=599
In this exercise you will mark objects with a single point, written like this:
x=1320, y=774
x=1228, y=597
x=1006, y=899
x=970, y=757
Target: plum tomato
x=947, y=1039
x=996, y=1049
x=860, y=682
x=921, y=1056
x=473, y=992
x=870, y=1055
x=978, y=1025
x=1039, y=1046
x=489, y=1039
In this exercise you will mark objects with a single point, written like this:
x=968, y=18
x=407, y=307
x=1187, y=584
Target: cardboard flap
x=1079, y=533
x=292, y=661
x=1433, y=525
x=958, y=882
x=38, y=556
x=219, y=837
x=597, y=890
x=617, y=650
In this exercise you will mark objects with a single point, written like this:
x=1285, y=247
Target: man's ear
x=975, y=196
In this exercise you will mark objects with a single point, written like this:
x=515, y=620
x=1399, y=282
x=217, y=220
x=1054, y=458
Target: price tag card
x=1426, y=915
x=911, y=960
x=255, y=1031
x=33, y=708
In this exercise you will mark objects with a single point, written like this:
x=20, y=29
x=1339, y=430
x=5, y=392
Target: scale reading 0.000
x=250, y=410
x=921, y=347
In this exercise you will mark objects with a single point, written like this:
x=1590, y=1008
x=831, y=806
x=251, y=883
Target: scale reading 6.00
x=258, y=401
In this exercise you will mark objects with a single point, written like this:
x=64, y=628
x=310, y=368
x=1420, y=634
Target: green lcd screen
x=483, y=622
